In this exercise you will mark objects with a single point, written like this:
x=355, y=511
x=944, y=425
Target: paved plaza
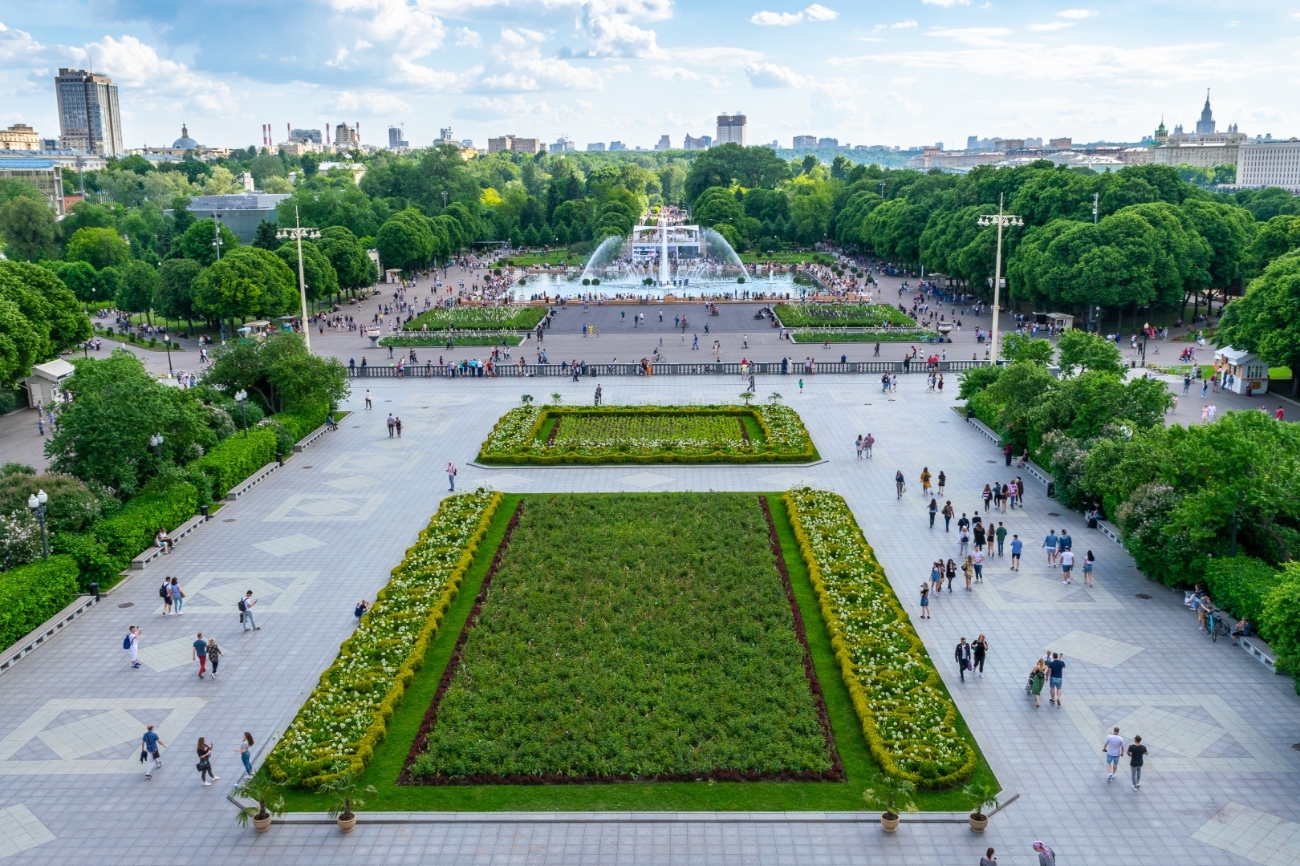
x=1222, y=784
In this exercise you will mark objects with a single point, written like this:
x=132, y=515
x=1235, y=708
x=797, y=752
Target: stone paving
x=1222, y=784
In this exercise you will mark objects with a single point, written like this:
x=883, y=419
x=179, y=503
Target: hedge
x=132, y=530
x=1240, y=584
x=304, y=420
x=1281, y=620
x=236, y=458
x=346, y=716
x=31, y=594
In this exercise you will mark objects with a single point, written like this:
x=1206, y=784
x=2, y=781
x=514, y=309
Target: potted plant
x=891, y=794
x=746, y=396
x=343, y=788
x=984, y=795
x=269, y=802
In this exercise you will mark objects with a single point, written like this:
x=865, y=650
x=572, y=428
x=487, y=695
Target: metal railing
x=704, y=368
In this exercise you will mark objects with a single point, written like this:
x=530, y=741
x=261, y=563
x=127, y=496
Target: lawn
x=560, y=435
x=824, y=335
x=860, y=769
x=785, y=258
x=438, y=339
x=477, y=319
x=555, y=259
x=842, y=316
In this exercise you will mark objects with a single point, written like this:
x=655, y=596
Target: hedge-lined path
x=319, y=535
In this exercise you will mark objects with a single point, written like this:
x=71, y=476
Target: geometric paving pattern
x=1029, y=592
x=352, y=482
x=1093, y=648
x=21, y=830
x=646, y=480
x=220, y=591
x=306, y=507
x=1255, y=835
x=170, y=654
x=289, y=544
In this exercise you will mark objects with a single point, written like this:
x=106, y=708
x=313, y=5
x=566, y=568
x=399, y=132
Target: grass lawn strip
x=346, y=715
x=623, y=638
x=533, y=435
x=438, y=339
x=477, y=319
x=842, y=316
x=908, y=720
x=895, y=335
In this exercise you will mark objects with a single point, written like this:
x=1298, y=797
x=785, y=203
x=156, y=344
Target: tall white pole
x=997, y=286
x=302, y=282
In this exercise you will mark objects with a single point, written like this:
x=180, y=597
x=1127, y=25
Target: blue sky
x=904, y=73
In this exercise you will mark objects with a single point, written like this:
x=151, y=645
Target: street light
x=298, y=232
x=999, y=219
x=241, y=397
x=36, y=502
x=156, y=442
x=167, y=341
x=216, y=231
x=444, y=199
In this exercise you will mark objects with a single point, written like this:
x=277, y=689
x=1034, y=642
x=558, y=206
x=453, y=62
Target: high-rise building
x=345, y=137
x=395, y=141
x=88, y=114
x=305, y=135
x=513, y=143
x=1205, y=126
x=595, y=146
x=828, y=142
x=664, y=143
x=1269, y=163
x=563, y=145
x=704, y=142
x=731, y=129
x=802, y=142
x=1060, y=143
x=20, y=136
x=617, y=145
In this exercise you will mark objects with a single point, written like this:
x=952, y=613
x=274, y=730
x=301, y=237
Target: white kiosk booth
x=1241, y=372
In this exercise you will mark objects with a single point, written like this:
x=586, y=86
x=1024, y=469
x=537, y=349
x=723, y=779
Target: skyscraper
x=88, y=117
x=1205, y=126
x=731, y=128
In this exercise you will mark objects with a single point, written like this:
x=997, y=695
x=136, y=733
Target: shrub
x=94, y=563
x=1281, y=620
x=131, y=531
x=8, y=402
x=303, y=420
x=72, y=507
x=1241, y=584
x=236, y=458
x=20, y=539
x=33, y=593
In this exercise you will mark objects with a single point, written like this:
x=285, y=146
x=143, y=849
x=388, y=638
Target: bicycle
x=1215, y=626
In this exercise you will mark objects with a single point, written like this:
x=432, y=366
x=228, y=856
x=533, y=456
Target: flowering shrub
x=648, y=434
x=347, y=715
x=477, y=318
x=908, y=721
x=842, y=315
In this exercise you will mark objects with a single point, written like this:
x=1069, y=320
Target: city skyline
x=633, y=70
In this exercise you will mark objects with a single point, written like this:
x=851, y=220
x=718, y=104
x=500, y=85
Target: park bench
x=252, y=481
x=154, y=551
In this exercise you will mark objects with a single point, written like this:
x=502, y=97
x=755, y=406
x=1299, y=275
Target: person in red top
x=1279, y=413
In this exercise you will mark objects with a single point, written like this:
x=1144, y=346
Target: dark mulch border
x=550, y=440
x=835, y=774
x=744, y=434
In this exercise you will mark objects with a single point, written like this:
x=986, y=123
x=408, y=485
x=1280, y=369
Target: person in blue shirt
x=150, y=743
x=1051, y=543
x=1066, y=542
x=1016, y=546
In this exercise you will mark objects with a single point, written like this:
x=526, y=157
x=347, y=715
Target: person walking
x=1065, y=541
x=925, y=481
x=150, y=751
x=451, y=476
x=948, y=511
x=214, y=655
x=899, y=485
x=981, y=648
x=246, y=608
x=369, y=405
x=1056, y=674
x=397, y=425
x=962, y=654
x=1067, y=564
x=1046, y=856
x=1136, y=754
x=132, y=643
x=867, y=443
x=1037, y=677
x=977, y=560
x=1088, y=560
x=925, y=601
x=245, y=756
x=204, y=766
x=1050, y=544
x=942, y=479
x=933, y=509
x=950, y=572
x=1001, y=535
x=968, y=571
x=1113, y=748
x=165, y=593
x=201, y=654
x=988, y=859
x=1016, y=547
x=936, y=577
x=391, y=424
x=597, y=397
x=978, y=532
x=1008, y=451
x=963, y=540
x=177, y=596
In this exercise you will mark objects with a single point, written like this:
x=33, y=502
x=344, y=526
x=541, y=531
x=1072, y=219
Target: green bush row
x=31, y=594
x=302, y=422
x=236, y=458
x=1269, y=598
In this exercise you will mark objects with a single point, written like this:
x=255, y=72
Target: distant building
x=731, y=129
x=595, y=146
x=241, y=213
x=1269, y=163
x=346, y=138
x=89, y=120
x=1060, y=143
x=664, y=143
x=20, y=136
x=802, y=142
x=512, y=143
x=358, y=170
x=312, y=136
x=395, y=141
x=1013, y=144
x=1199, y=154
x=563, y=145
x=704, y=142
x=937, y=157
x=1205, y=126
x=617, y=145
x=44, y=174
x=828, y=142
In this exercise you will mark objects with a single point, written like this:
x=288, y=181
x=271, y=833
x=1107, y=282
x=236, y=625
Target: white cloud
x=522, y=67
x=135, y=65
x=1076, y=14
x=947, y=4
x=776, y=19
x=434, y=80
x=410, y=27
x=365, y=101
x=903, y=25
x=616, y=36
x=971, y=35
x=818, y=12
x=901, y=80
x=466, y=38
x=770, y=75
x=1051, y=25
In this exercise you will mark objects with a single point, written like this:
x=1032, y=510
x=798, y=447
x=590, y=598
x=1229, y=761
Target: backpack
x=162, y=590
x=126, y=641
x=242, y=607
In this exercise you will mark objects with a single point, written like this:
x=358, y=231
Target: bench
x=154, y=551
x=301, y=445
x=252, y=481
x=1263, y=653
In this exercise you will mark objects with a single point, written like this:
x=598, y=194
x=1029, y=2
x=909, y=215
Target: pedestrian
x=1012, y=491
x=925, y=481
x=1067, y=565
x=40, y=423
x=1088, y=560
x=858, y=445
x=204, y=766
x=1066, y=542
x=948, y=511
x=245, y=746
x=977, y=560
x=1037, y=677
x=1113, y=748
x=397, y=424
x=132, y=642
x=968, y=571
x=899, y=484
x=391, y=424
x=981, y=647
x=246, y=612
x=988, y=859
x=963, y=540
x=1056, y=673
x=177, y=596
x=201, y=654
x=1136, y=753
x=867, y=443
x=1001, y=535
x=986, y=496
x=597, y=403
x=963, y=656
x=943, y=479
x=950, y=572
x=925, y=601
x=214, y=656
x=150, y=755
x=933, y=509
x=1016, y=546
x=362, y=607
x=1046, y=857
x=801, y=386
x=369, y=405
x=165, y=593
x=1050, y=544
x=451, y=476
x=936, y=576
x=979, y=534
x=1008, y=451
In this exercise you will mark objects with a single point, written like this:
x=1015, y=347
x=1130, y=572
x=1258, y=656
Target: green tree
x=99, y=247
x=266, y=238
x=1266, y=320
x=196, y=243
x=1082, y=352
x=53, y=315
x=1026, y=349
x=279, y=372
x=1277, y=237
x=174, y=297
x=1281, y=620
x=405, y=241
x=318, y=273
x=1228, y=230
x=354, y=268
x=138, y=287
x=79, y=277
x=730, y=164
x=717, y=205
x=266, y=165
x=103, y=433
x=247, y=283
x=29, y=229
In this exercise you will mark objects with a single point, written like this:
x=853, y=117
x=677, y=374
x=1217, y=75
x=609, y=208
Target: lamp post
x=298, y=232
x=241, y=397
x=444, y=199
x=999, y=219
x=156, y=443
x=216, y=233
x=36, y=502
x=167, y=341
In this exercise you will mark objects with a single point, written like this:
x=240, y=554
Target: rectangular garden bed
x=477, y=319
x=842, y=316
x=551, y=435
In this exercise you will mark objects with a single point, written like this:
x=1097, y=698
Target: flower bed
x=438, y=339
x=842, y=316
x=648, y=434
x=908, y=720
x=477, y=318
x=891, y=335
x=347, y=714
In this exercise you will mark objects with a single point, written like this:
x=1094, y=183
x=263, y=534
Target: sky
x=905, y=73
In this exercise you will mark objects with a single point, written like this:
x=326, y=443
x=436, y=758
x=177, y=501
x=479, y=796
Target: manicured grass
x=555, y=259
x=476, y=319
x=817, y=335
x=860, y=769
x=841, y=316
x=438, y=340
x=785, y=258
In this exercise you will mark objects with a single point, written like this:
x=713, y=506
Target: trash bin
x=970, y=413
x=1051, y=490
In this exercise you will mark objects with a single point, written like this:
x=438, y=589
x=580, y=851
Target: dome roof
x=185, y=142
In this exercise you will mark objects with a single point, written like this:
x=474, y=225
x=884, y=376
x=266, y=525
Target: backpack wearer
x=242, y=607
x=162, y=590
x=126, y=641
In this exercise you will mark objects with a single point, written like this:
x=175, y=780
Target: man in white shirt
x=1114, y=748
x=1067, y=563
x=977, y=559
